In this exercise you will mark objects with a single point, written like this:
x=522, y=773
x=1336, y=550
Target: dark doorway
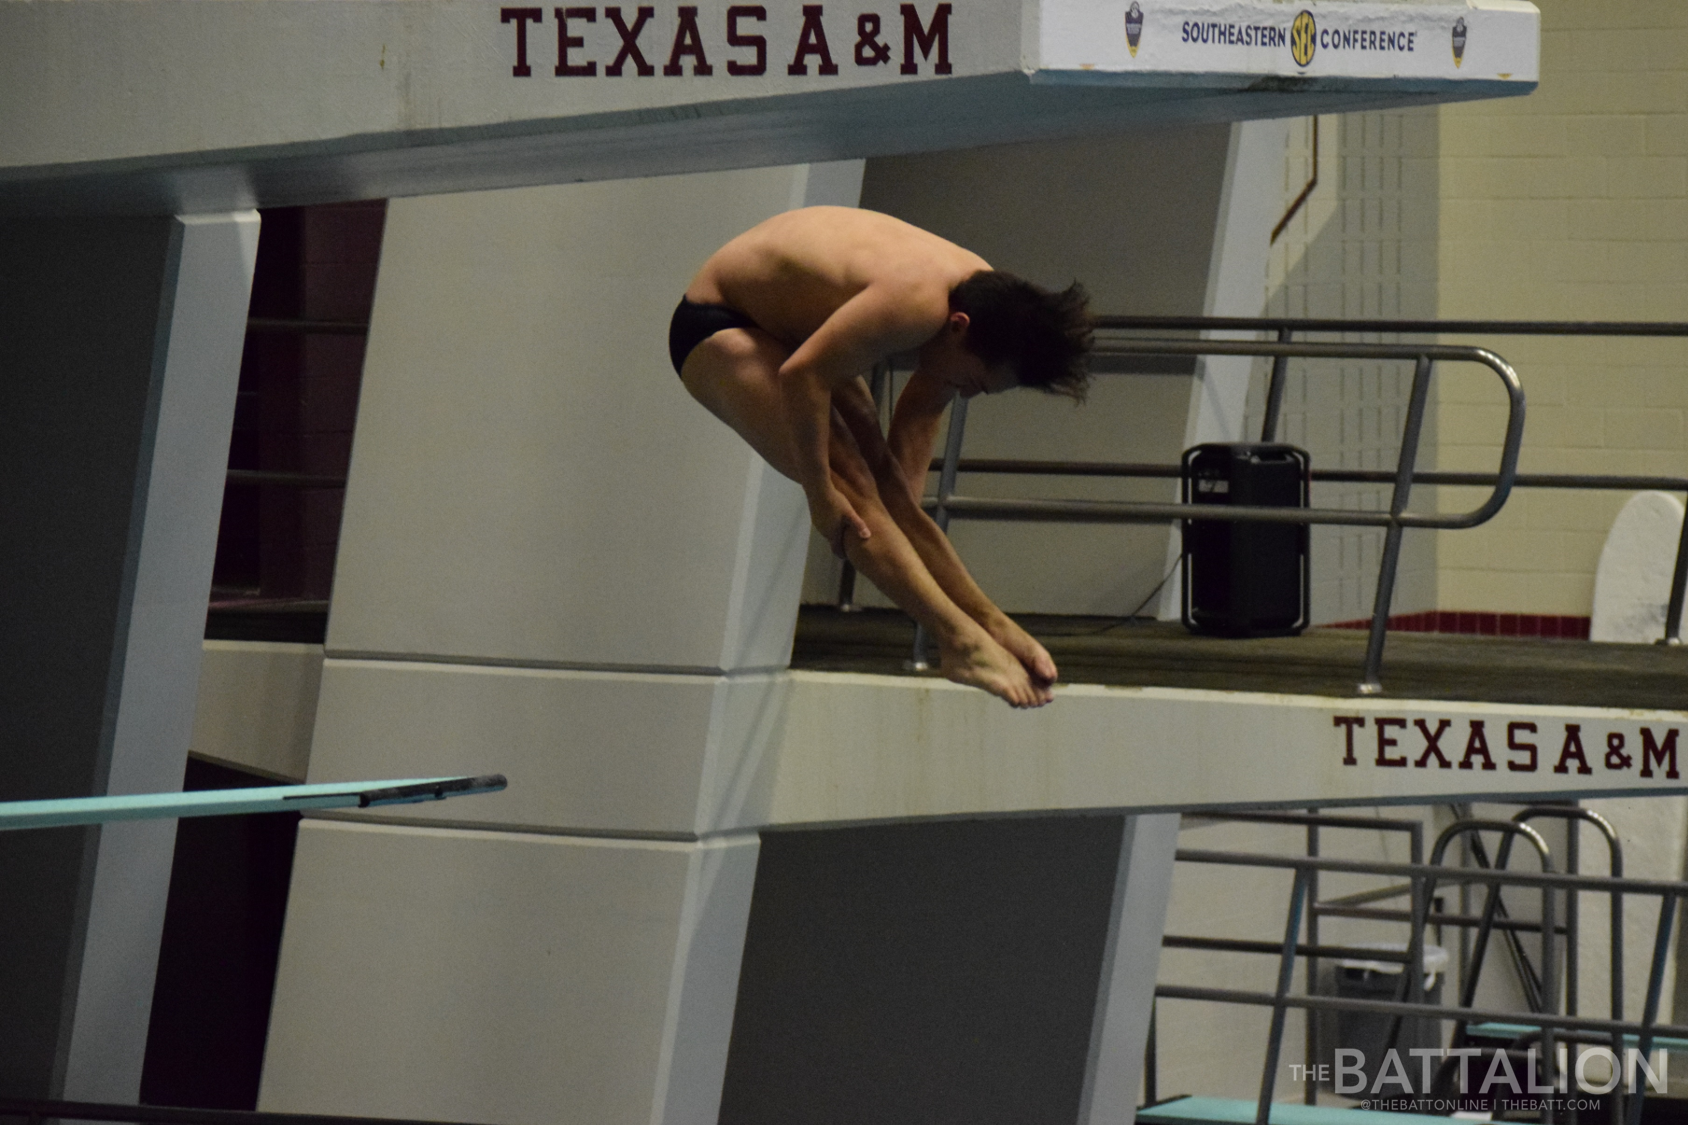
x=217, y=962
x=312, y=292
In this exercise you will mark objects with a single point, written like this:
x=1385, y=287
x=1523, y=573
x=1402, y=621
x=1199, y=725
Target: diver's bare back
x=792, y=272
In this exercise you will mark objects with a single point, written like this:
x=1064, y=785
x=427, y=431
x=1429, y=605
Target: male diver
x=774, y=336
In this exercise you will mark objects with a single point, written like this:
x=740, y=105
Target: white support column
x=1236, y=286
x=703, y=986
x=587, y=583
x=121, y=341
x=208, y=286
x=1126, y=995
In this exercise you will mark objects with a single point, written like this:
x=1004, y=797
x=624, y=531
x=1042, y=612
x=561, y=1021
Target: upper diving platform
x=188, y=105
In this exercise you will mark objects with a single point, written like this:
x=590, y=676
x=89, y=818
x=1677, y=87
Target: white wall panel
x=501, y=977
x=1364, y=245
x=257, y=705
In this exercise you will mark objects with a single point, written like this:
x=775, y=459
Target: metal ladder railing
x=1423, y=878
x=1313, y=821
x=949, y=505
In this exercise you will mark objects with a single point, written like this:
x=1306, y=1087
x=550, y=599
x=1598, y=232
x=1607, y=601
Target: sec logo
x=1302, y=34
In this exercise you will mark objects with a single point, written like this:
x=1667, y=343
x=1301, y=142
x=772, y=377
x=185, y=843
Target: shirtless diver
x=774, y=336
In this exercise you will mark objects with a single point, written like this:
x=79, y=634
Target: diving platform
x=1145, y=713
x=1141, y=653
x=180, y=106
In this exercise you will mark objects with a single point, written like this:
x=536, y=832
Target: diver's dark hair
x=1043, y=335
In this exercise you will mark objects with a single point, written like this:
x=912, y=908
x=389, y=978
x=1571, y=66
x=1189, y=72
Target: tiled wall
x=1483, y=624
x=1571, y=203
x=1364, y=245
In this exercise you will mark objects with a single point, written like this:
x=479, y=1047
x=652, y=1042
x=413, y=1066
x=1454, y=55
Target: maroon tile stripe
x=1549, y=625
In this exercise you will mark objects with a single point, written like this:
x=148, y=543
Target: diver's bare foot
x=1040, y=667
x=982, y=663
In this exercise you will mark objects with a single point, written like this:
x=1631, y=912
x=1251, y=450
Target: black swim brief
x=694, y=323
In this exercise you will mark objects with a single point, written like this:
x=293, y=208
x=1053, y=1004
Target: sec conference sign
x=1483, y=40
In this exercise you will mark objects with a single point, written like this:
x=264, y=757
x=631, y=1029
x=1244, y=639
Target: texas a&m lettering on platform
x=632, y=41
x=1577, y=749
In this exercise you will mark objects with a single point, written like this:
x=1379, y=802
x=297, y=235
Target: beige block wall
x=1363, y=245
x=1570, y=204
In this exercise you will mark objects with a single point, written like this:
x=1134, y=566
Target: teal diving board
x=1511, y=1031
x=227, y=802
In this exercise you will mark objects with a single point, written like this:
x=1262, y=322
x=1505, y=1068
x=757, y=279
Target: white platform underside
x=176, y=106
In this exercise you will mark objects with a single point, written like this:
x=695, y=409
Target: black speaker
x=1246, y=579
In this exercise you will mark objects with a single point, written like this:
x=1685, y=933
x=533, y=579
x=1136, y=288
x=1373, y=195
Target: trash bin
x=1246, y=579
x=1368, y=1032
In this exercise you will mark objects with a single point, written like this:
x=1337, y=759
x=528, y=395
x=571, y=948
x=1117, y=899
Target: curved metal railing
x=948, y=504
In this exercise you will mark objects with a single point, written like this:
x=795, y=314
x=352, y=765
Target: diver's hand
x=836, y=520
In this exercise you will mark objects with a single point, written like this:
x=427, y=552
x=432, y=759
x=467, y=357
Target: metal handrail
x=1008, y=467
x=948, y=505
x=1314, y=820
x=1440, y=1011
x=1614, y=867
x=1556, y=880
x=1284, y=329
x=1424, y=877
x=1592, y=482
x=1541, y=991
x=1538, y=991
x=1573, y=815
x=1412, y=829
x=1098, y=511
x=1405, y=327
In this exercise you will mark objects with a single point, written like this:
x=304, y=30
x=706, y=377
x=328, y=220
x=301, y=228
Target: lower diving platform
x=1148, y=719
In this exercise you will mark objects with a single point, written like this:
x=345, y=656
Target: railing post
x=1372, y=683
x=1650, y=1011
x=1615, y=927
x=1309, y=1083
x=1573, y=915
x=1286, y=976
x=940, y=515
x=1275, y=390
x=847, y=589
x=1411, y=988
x=1549, y=992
